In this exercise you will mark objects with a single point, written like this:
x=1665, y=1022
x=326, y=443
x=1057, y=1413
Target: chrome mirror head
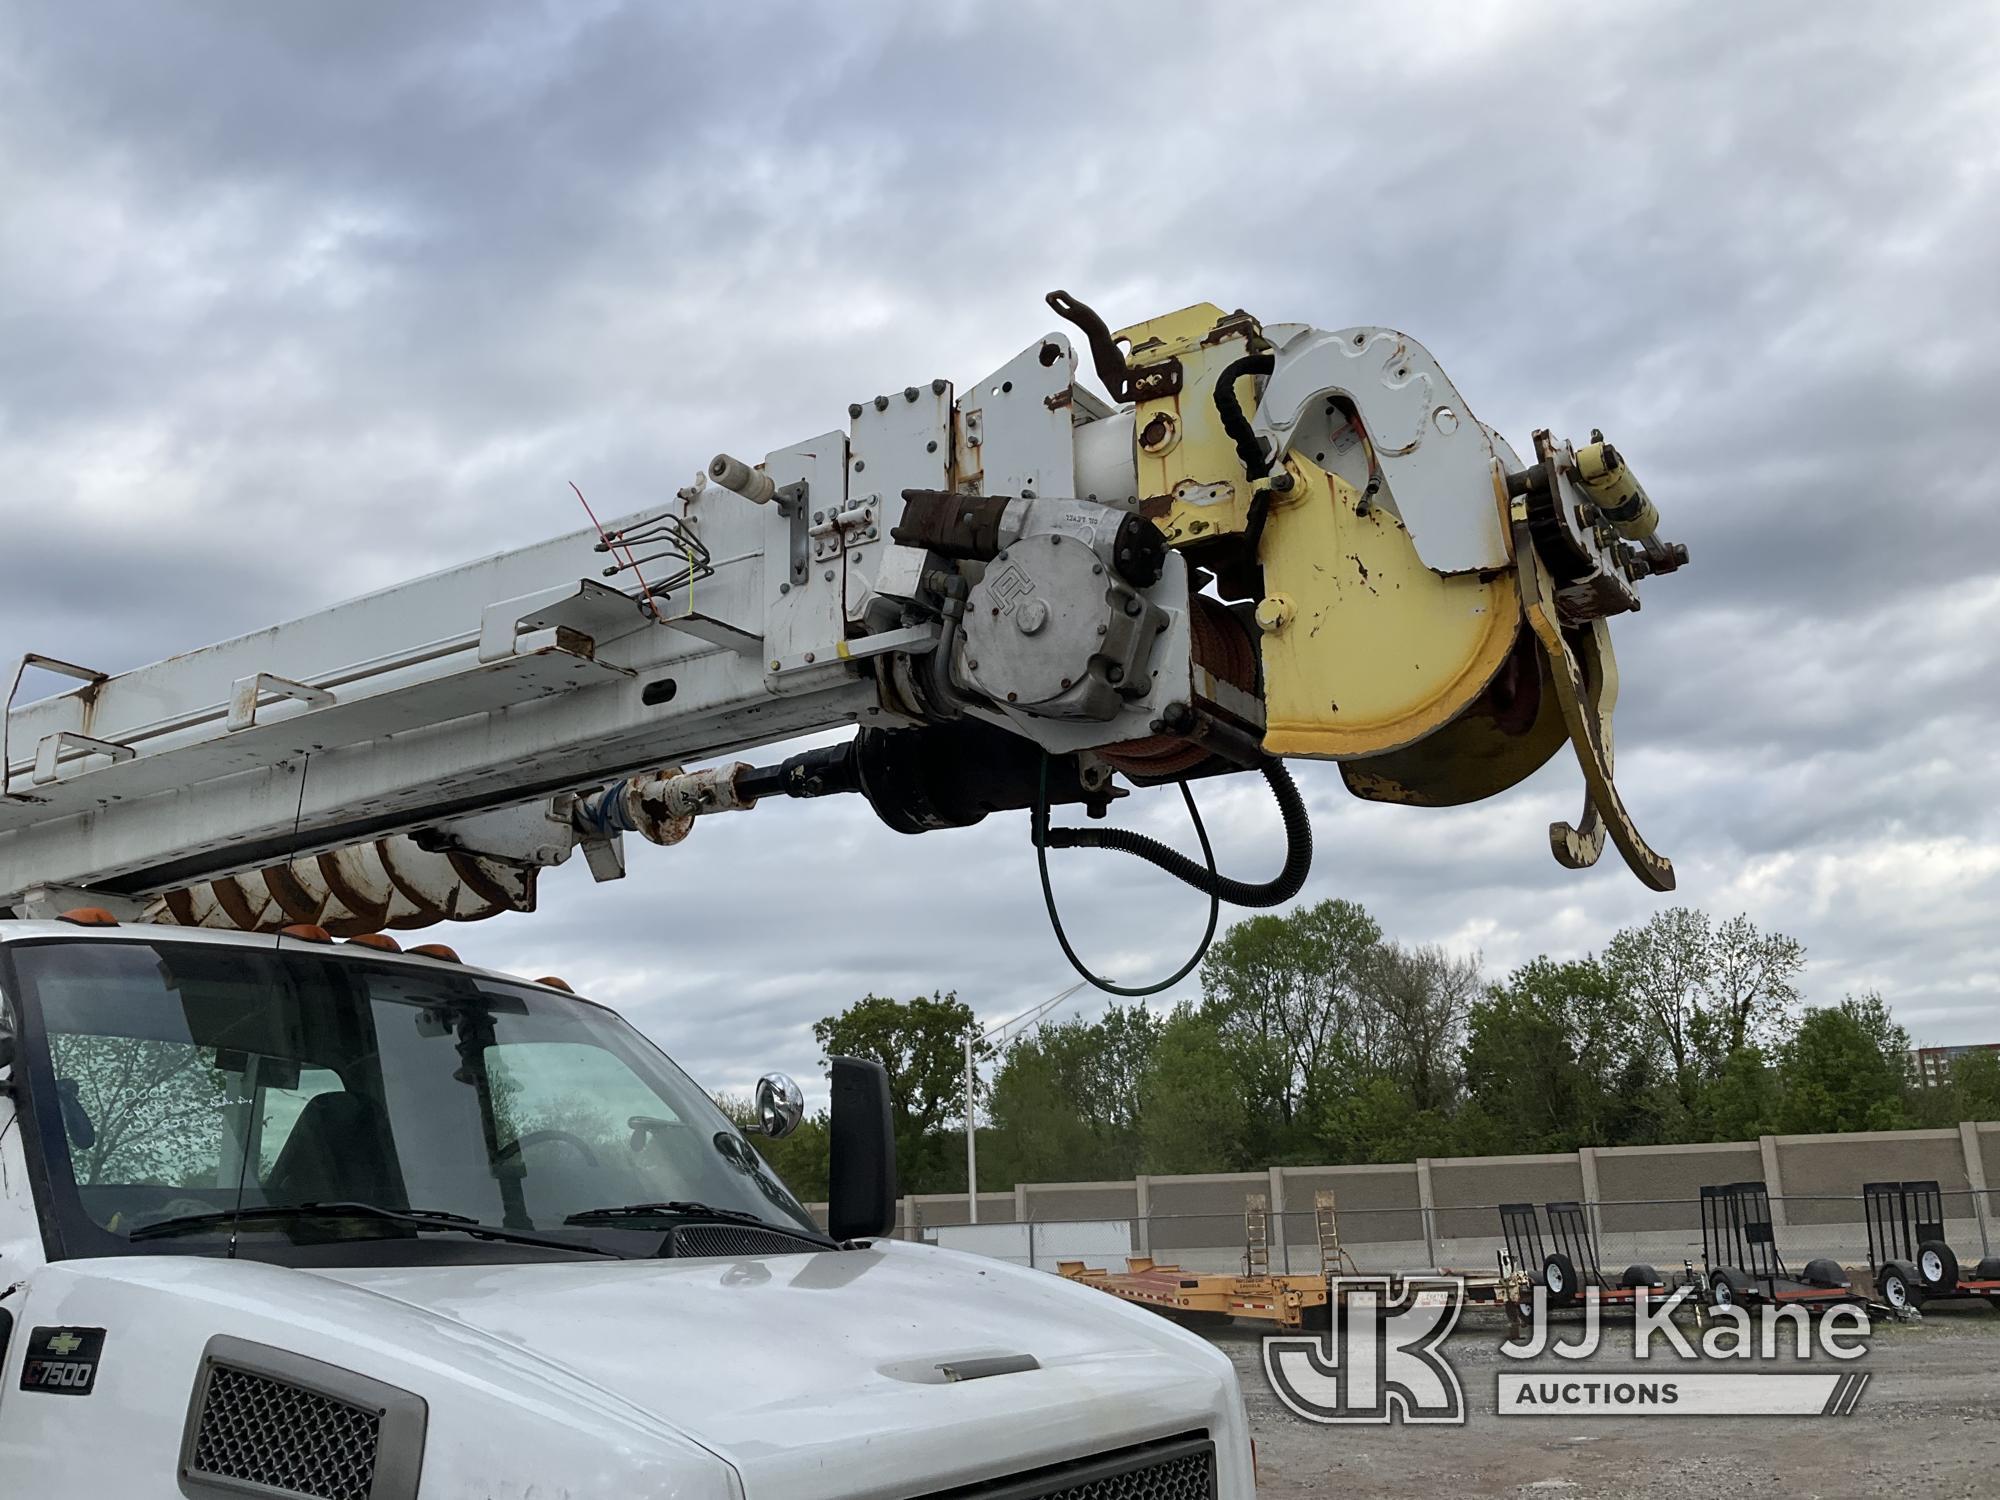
x=781, y=1105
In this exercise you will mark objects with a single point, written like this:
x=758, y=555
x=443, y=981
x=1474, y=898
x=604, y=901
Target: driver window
x=566, y=1109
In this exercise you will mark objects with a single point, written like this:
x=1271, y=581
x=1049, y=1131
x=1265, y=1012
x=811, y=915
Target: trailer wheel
x=1641, y=1274
x=1728, y=1287
x=1824, y=1272
x=1559, y=1276
x=1897, y=1285
x=1937, y=1266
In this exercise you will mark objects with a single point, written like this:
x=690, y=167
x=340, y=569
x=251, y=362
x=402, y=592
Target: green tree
x=1555, y=1058
x=921, y=1043
x=1740, y=1102
x=1845, y=1068
x=1421, y=997
x=1379, y=1121
x=1289, y=998
x=1066, y=1100
x=1705, y=990
x=1194, y=1112
x=1975, y=1079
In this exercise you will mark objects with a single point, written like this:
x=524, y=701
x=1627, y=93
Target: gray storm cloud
x=297, y=301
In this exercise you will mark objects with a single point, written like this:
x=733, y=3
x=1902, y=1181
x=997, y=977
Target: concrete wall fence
x=1644, y=1201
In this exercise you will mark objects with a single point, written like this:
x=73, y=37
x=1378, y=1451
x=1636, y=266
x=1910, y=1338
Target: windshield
x=172, y=1080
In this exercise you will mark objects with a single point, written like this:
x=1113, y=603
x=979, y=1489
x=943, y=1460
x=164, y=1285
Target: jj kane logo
x=1381, y=1358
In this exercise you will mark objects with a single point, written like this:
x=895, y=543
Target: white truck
x=289, y=1210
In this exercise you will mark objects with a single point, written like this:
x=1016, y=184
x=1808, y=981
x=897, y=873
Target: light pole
x=998, y=1034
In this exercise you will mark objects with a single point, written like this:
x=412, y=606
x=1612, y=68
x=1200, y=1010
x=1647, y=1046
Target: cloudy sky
x=296, y=301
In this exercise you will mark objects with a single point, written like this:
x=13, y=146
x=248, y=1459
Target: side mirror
x=781, y=1105
x=861, y=1148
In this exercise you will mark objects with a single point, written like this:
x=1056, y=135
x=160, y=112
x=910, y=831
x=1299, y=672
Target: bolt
x=1012, y=696
x=871, y=533
x=1096, y=568
x=784, y=588
x=938, y=387
x=909, y=393
x=971, y=665
x=931, y=446
x=881, y=403
x=1003, y=555
x=1104, y=630
x=859, y=465
x=775, y=664
x=819, y=518
x=829, y=575
x=1282, y=483
x=809, y=656
x=1116, y=674
x=1134, y=607
x=1065, y=682
x=853, y=408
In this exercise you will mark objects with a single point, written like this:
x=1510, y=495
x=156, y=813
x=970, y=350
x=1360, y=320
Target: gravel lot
x=1927, y=1425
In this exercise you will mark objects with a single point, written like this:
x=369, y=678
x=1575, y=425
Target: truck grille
x=256, y=1430
x=1181, y=1468
x=268, y=1421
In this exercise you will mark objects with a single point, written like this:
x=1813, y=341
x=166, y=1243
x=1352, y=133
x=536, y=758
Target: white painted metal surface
x=1430, y=450
x=799, y=1376
x=530, y=673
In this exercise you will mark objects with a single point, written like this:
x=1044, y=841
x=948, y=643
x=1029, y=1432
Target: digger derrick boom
x=1281, y=542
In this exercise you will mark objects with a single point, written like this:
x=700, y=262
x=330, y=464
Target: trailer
x=1740, y=1258
x=1572, y=1270
x=1291, y=1300
x=1908, y=1255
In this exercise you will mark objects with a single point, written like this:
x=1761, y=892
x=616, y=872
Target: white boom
x=419, y=753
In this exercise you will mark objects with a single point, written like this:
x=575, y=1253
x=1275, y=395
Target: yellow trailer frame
x=1289, y=1300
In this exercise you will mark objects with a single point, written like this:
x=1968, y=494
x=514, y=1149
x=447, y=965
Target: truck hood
x=817, y=1373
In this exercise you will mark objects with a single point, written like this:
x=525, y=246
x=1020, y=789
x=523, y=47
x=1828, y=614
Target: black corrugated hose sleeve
x=1248, y=449
x=1282, y=887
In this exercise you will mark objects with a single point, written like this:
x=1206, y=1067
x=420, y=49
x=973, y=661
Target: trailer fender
x=1822, y=1271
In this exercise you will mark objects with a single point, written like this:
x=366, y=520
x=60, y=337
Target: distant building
x=1933, y=1064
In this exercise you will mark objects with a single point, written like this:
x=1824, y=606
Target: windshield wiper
x=432, y=1220
x=682, y=1209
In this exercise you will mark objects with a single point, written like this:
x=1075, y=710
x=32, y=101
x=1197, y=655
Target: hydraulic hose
x=1248, y=449
x=949, y=701
x=1280, y=888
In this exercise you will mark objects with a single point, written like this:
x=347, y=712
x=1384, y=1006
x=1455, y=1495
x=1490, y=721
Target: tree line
x=1317, y=1039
